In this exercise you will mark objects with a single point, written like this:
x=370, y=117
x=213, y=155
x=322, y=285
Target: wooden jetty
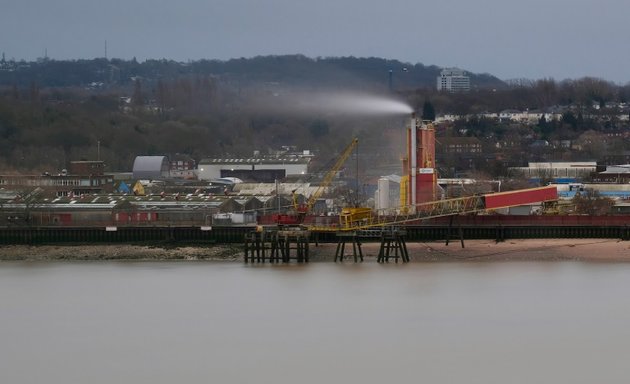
x=277, y=245
x=392, y=244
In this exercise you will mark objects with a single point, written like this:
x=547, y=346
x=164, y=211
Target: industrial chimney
x=419, y=176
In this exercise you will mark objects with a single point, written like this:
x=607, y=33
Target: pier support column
x=342, y=239
x=393, y=246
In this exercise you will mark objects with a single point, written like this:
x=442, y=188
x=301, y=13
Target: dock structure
x=460, y=233
x=277, y=245
x=345, y=237
x=392, y=244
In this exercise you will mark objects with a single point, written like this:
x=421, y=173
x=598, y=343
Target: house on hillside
x=461, y=145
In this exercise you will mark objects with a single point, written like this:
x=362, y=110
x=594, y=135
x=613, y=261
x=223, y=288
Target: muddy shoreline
x=612, y=250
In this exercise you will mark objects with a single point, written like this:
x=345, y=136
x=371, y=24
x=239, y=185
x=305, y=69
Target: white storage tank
x=383, y=196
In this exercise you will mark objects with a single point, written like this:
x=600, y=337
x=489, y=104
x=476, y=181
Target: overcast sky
x=507, y=38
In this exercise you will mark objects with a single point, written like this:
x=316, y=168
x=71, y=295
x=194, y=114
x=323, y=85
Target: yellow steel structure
x=362, y=218
x=328, y=178
x=404, y=186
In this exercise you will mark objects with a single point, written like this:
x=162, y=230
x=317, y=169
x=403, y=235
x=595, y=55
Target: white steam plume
x=349, y=103
x=332, y=102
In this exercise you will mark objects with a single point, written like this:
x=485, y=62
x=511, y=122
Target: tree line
x=50, y=116
x=370, y=73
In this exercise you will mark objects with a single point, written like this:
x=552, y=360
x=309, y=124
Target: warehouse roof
x=149, y=167
x=256, y=160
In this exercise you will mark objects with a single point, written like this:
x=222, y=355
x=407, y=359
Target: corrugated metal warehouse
x=151, y=167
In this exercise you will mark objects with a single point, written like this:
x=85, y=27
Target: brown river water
x=214, y=322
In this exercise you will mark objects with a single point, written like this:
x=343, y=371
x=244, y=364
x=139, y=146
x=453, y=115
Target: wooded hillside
x=52, y=112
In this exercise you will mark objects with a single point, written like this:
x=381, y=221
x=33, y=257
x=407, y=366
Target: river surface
x=204, y=322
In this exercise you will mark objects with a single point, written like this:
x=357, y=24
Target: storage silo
x=383, y=196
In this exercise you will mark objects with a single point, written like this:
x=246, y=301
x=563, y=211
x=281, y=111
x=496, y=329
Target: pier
x=392, y=244
x=277, y=245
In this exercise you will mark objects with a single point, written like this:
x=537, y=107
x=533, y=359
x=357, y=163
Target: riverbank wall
x=236, y=234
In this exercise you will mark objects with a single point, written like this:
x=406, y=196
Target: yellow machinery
x=138, y=189
x=355, y=217
x=404, y=186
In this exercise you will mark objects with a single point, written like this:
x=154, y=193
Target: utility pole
x=277, y=196
x=356, y=204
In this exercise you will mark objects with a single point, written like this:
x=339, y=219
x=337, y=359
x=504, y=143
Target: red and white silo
x=419, y=165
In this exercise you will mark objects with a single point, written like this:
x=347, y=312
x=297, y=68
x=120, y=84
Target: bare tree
x=589, y=202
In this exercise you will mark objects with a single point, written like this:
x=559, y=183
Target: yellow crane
x=328, y=178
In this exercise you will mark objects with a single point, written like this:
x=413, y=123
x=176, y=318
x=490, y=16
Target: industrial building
x=130, y=210
x=254, y=169
x=151, y=167
x=87, y=167
x=557, y=170
x=182, y=167
x=85, y=177
x=419, y=181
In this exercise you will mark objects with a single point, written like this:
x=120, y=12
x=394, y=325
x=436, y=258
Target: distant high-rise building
x=453, y=80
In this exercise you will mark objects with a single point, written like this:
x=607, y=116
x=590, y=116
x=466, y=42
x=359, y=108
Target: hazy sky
x=507, y=38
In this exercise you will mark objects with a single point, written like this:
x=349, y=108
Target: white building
x=453, y=80
x=210, y=169
x=558, y=169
